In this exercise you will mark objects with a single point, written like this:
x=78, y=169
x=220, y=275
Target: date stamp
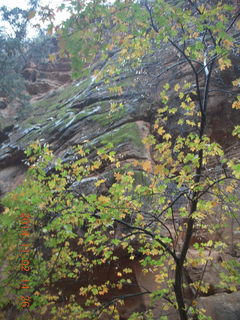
x=25, y=264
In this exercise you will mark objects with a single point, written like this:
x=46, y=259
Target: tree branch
x=152, y=235
x=149, y=10
x=233, y=21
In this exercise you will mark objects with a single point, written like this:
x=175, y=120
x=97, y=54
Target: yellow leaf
x=201, y=8
x=228, y=44
x=99, y=182
x=167, y=136
x=118, y=164
x=135, y=163
x=184, y=105
x=181, y=95
x=154, y=252
x=6, y=211
x=139, y=216
x=127, y=270
x=158, y=169
x=147, y=166
x=52, y=57
x=103, y=291
x=118, y=176
x=161, y=131
x=176, y=87
x=194, y=303
x=236, y=105
x=166, y=86
x=224, y=63
x=81, y=152
x=233, y=288
x=42, y=205
x=124, y=244
x=190, y=123
x=236, y=82
x=165, y=307
x=229, y=189
x=160, y=277
x=210, y=243
x=195, y=35
x=103, y=199
x=194, y=263
x=214, y=203
x=119, y=286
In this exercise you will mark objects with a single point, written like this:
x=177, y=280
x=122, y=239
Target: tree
x=157, y=220
x=17, y=49
x=11, y=55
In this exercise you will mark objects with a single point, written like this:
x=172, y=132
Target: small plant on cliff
x=170, y=222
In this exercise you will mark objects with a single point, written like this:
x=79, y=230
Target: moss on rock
x=128, y=132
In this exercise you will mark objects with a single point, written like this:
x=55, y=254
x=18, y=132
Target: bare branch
x=149, y=10
x=152, y=235
x=233, y=21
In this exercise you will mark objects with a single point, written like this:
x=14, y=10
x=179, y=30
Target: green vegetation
x=127, y=133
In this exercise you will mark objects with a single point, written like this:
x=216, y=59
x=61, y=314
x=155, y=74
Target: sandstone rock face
x=65, y=113
x=222, y=306
x=80, y=112
x=11, y=176
x=39, y=81
x=47, y=76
